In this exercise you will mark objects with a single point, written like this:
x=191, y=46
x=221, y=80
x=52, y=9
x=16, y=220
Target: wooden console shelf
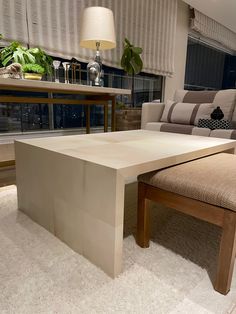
x=91, y=96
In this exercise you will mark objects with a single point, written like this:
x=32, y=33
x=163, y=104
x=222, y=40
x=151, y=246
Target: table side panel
x=79, y=202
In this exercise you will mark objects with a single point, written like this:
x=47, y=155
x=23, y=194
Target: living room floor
x=40, y=274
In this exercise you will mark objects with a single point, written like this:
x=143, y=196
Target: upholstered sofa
x=183, y=113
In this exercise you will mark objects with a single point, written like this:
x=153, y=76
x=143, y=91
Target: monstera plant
x=15, y=52
x=131, y=62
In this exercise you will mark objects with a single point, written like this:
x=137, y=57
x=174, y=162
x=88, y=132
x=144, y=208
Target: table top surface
x=60, y=87
x=133, y=152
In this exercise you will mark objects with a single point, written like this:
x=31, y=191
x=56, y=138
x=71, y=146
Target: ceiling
x=223, y=11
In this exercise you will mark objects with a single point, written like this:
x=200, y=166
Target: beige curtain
x=13, y=24
x=213, y=30
x=150, y=24
x=54, y=26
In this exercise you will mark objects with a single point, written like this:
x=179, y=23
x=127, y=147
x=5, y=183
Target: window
x=208, y=68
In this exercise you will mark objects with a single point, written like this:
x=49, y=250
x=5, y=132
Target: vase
x=217, y=114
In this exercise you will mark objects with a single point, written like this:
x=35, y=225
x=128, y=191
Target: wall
x=177, y=81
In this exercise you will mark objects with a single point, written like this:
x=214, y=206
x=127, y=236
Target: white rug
x=40, y=274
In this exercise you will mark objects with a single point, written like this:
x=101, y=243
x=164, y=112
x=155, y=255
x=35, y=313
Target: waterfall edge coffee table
x=74, y=186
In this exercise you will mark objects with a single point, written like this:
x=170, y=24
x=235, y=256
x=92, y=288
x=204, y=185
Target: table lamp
x=97, y=32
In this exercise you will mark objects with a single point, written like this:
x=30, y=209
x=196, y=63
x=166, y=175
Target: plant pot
x=33, y=76
x=128, y=119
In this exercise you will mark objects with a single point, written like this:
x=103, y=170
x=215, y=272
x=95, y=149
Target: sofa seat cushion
x=211, y=180
x=231, y=134
x=154, y=126
x=177, y=128
x=226, y=99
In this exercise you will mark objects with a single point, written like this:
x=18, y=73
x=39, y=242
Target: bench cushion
x=211, y=180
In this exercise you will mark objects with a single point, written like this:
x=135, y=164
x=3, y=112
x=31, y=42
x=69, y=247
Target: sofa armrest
x=151, y=112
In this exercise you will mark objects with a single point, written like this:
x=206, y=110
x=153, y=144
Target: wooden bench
x=7, y=172
x=204, y=188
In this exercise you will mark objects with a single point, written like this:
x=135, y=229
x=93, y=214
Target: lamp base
x=93, y=73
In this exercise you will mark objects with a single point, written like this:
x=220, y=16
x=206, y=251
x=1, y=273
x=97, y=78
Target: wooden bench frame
x=219, y=216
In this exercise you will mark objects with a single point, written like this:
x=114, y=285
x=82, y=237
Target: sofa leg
x=227, y=253
x=143, y=232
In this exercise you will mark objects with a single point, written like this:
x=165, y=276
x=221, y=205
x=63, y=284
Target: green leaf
x=137, y=50
x=18, y=56
x=33, y=50
x=127, y=42
x=29, y=57
x=131, y=61
x=6, y=61
x=5, y=55
x=136, y=63
x=23, y=56
x=125, y=60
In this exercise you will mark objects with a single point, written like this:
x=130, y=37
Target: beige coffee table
x=74, y=185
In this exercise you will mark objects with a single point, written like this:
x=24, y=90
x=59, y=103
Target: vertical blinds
x=213, y=30
x=150, y=24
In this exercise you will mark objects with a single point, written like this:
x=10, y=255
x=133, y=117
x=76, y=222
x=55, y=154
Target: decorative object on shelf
x=93, y=73
x=66, y=66
x=214, y=124
x=56, y=65
x=131, y=62
x=75, y=67
x=13, y=70
x=15, y=53
x=217, y=114
x=33, y=71
x=97, y=33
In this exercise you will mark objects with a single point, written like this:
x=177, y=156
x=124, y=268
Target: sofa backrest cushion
x=226, y=99
x=185, y=113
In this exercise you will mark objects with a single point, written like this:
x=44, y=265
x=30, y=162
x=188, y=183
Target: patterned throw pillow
x=185, y=113
x=213, y=124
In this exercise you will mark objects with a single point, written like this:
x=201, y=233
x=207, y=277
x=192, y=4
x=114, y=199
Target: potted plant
x=33, y=71
x=131, y=62
x=16, y=53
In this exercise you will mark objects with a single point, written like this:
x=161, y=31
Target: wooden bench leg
x=143, y=233
x=227, y=253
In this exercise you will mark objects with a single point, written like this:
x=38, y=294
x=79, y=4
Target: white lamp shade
x=97, y=26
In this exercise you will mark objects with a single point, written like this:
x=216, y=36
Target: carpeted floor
x=40, y=274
